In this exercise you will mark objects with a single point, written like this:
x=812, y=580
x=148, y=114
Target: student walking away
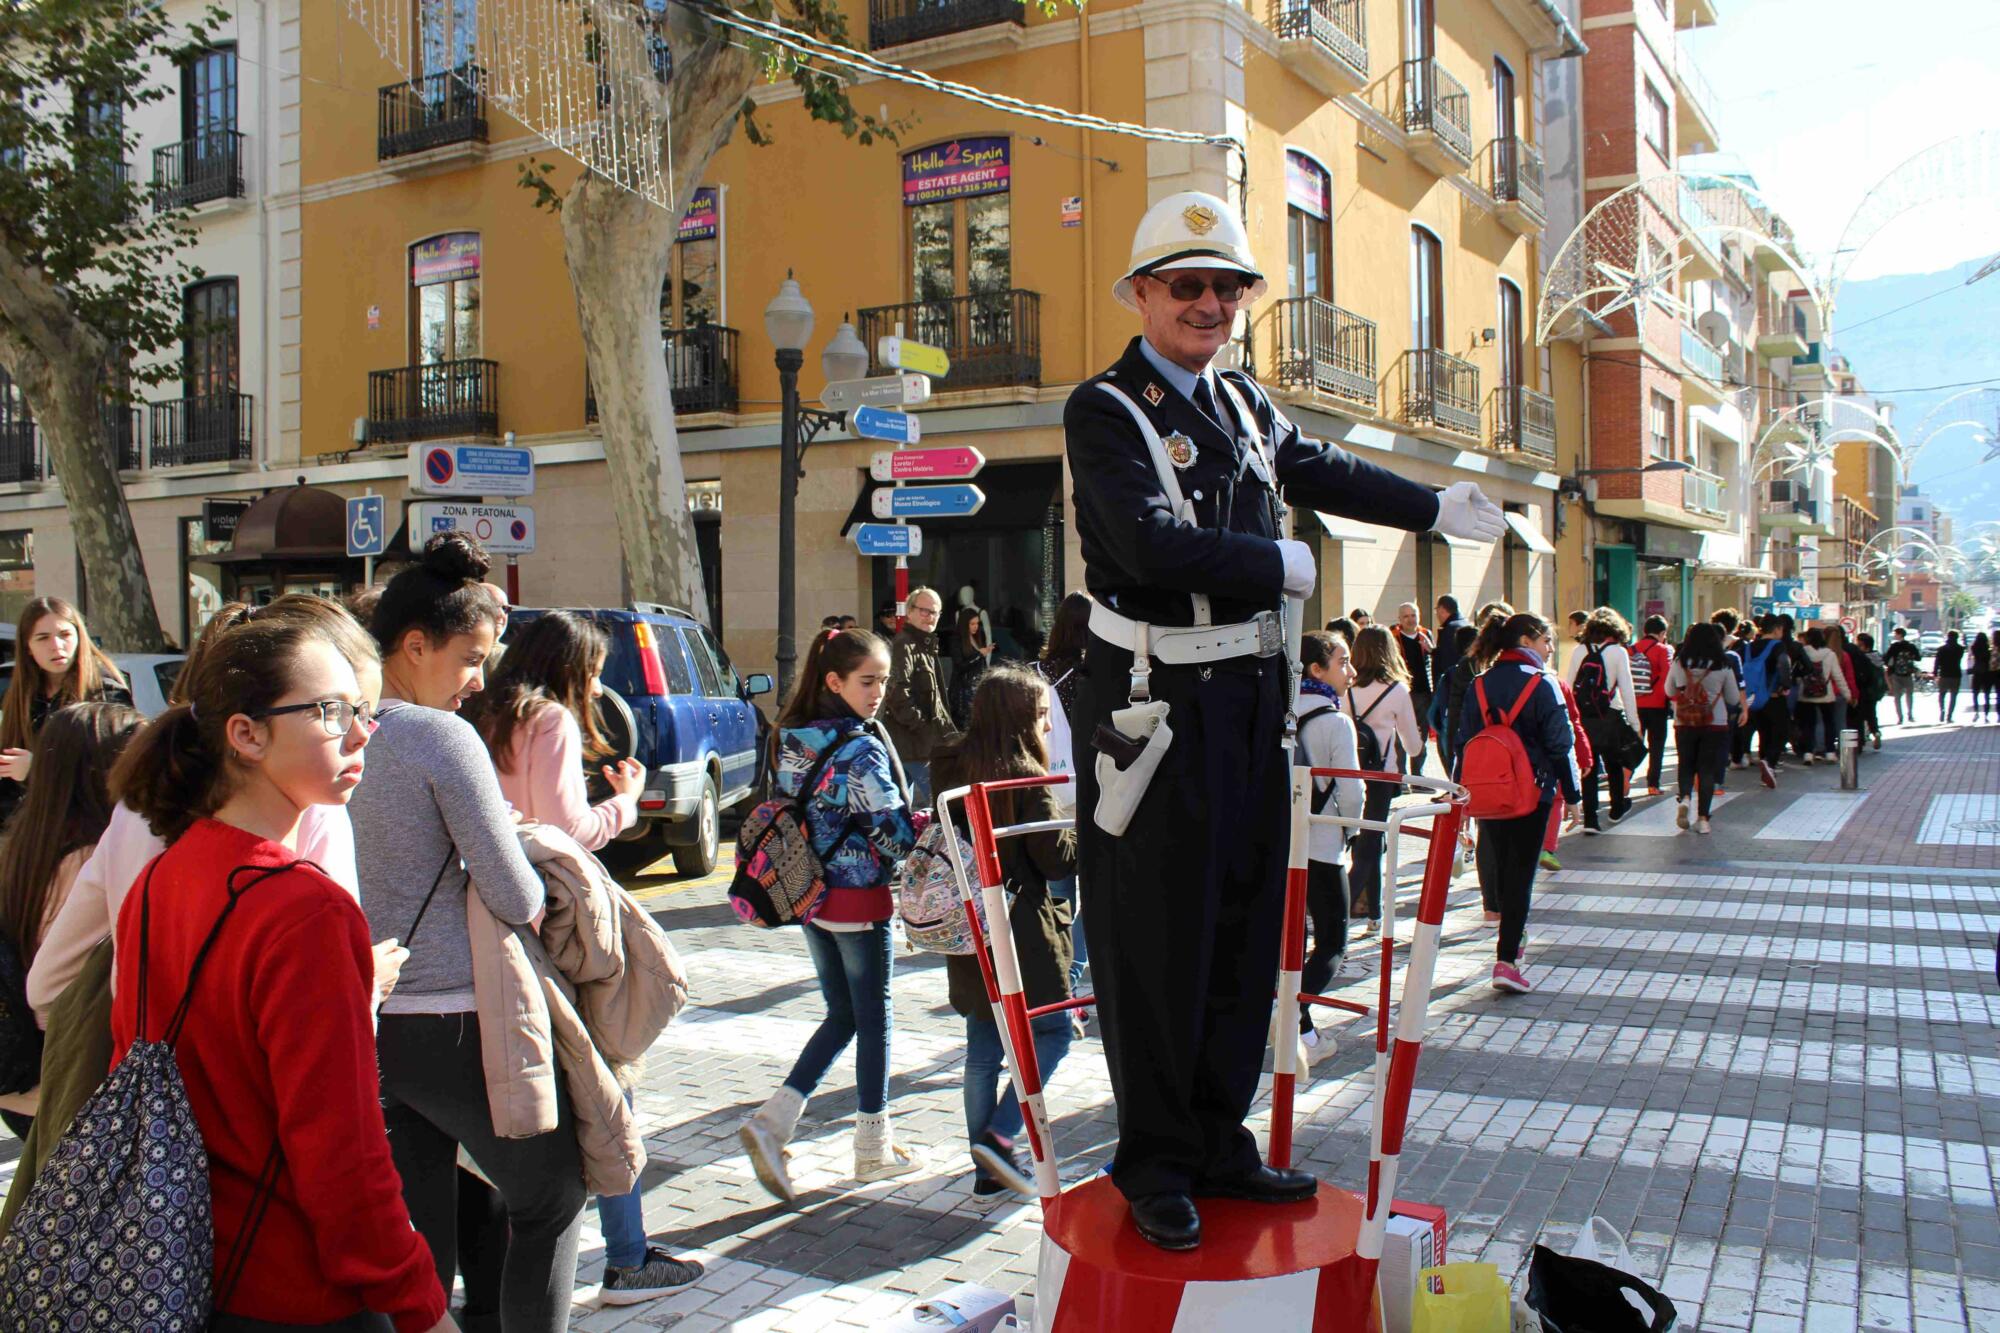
x=1825, y=685
x=53, y=833
x=1948, y=666
x=55, y=665
x=1516, y=694
x=1706, y=698
x=1558, y=808
x=1379, y=703
x=1801, y=666
x=1452, y=687
x=1980, y=660
x=1901, y=659
x=1766, y=684
x=270, y=961
x=1601, y=674
x=1003, y=739
x=433, y=827
x=1871, y=683
x=1326, y=740
x=1727, y=620
x=913, y=710
x=1443, y=659
x=538, y=717
x=1061, y=665
x=1414, y=642
x=1843, y=657
x=1650, y=659
x=861, y=826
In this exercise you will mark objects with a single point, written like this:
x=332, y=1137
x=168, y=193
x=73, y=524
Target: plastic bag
x=1473, y=1299
x=1601, y=1242
x=1584, y=1296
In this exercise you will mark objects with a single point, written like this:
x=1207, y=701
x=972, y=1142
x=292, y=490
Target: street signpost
x=471, y=469
x=878, y=423
x=927, y=502
x=906, y=390
x=367, y=532
x=897, y=539
x=1789, y=590
x=955, y=464
x=900, y=352
x=502, y=529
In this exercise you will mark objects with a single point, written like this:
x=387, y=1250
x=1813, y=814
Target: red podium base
x=1260, y=1268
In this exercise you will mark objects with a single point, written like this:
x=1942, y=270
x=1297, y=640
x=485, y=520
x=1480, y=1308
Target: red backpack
x=1494, y=765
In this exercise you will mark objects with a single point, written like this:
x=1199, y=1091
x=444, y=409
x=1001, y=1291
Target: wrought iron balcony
x=1440, y=390
x=121, y=435
x=430, y=112
x=1437, y=115
x=435, y=399
x=20, y=450
x=1702, y=493
x=1517, y=185
x=198, y=170
x=993, y=338
x=207, y=428
x=894, y=22
x=701, y=366
x=1326, y=40
x=1525, y=422
x=1326, y=349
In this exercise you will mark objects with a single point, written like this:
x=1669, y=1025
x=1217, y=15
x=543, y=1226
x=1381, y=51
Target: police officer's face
x=1188, y=332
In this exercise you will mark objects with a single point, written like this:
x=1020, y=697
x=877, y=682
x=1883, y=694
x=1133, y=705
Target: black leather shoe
x=1266, y=1184
x=1167, y=1220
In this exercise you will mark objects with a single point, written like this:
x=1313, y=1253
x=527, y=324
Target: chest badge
x=1180, y=450
x=1155, y=394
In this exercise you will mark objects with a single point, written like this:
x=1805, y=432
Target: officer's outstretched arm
x=1119, y=497
x=1328, y=478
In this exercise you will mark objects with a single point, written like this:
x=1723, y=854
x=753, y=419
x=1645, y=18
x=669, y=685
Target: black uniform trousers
x=1186, y=911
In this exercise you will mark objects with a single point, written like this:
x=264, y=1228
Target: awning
x=1735, y=573
x=299, y=523
x=1456, y=543
x=1347, y=531
x=1525, y=531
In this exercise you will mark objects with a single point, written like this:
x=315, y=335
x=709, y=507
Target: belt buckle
x=1270, y=633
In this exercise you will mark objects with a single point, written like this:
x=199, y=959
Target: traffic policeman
x=1177, y=469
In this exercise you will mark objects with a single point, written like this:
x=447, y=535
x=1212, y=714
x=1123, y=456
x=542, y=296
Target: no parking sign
x=501, y=529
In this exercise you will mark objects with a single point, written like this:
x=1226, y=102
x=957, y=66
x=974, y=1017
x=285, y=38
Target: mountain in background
x=1906, y=331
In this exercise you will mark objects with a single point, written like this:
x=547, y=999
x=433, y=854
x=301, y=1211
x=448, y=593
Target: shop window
x=692, y=293
x=1655, y=120
x=961, y=237
x=1661, y=426
x=210, y=337
x=1308, y=228
x=444, y=298
x=17, y=576
x=447, y=31
x=1426, y=289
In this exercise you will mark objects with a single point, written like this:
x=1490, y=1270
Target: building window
x=1657, y=122
x=209, y=339
x=1308, y=227
x=208, y=94
x=1662, y=426
x=693, y=291
x=1503, y=100
x=444, y=298
x=960, y=218
x=1510, y=335
x=446, y=33
x=1420, y=38
x=1426, y=290
x=17, y=573
x=1916, y=599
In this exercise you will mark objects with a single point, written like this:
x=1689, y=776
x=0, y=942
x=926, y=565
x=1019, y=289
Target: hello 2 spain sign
x=960, y=169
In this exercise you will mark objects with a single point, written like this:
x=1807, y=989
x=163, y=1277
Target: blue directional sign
x=367, y=525
x=1789, y=590
x=888, y=539
x=927, y=501
x=877, y=423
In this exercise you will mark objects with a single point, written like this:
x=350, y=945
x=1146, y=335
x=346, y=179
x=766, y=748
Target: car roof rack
x=660, y=609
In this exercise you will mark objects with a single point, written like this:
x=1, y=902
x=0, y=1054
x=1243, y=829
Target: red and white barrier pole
x=1291, y=968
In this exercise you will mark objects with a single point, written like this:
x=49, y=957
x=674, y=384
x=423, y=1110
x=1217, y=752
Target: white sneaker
x=1701, y=826
x=1681, y=815
x=897, y=1161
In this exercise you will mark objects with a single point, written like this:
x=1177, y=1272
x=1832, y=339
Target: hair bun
x=453, y=555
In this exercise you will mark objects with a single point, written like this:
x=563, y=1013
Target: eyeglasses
x=924, y=611
x=336, y=716
x=1228, y=288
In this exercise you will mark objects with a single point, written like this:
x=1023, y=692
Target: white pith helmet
x=1189, y=230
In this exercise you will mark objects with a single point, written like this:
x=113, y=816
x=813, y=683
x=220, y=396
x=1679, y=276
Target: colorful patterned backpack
x=927, y=894
x=780, y=879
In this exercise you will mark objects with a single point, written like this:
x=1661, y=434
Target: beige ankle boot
x=876, y=1154
x=764, y=1136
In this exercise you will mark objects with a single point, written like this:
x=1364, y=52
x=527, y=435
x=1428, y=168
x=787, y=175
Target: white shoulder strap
x=1169, y=483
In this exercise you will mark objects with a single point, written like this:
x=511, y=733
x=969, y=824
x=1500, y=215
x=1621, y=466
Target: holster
x=1119, y=791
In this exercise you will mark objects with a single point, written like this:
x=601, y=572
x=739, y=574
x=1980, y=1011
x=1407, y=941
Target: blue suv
x=673, y=702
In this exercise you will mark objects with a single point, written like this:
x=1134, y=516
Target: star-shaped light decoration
x=1648, y=283
x=1992, y=446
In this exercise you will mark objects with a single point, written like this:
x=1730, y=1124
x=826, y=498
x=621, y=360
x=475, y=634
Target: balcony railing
x=894, y=22
x=1525, y=422
x=1322, y=347
x=1517, y=176
x=121, y=435
x=430, y=112
x=1437, y=104
x=1694, y=214
x=992, y=338
x=701, y=366
x=1441, y=390
x=1700, y=356
x=195, y=171
x=1693, y=83
x=209, y=428
x=1701, y=493
x=20, y=450
x=1338, y=27
x=435, y=399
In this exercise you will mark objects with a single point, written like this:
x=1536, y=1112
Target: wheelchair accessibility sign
x=367, y=530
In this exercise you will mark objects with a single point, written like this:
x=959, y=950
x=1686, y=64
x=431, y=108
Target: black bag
x=20, y=1035
x=1614, y=741
x=1367, y=747
x=1593, y=686
x=1583, y=1296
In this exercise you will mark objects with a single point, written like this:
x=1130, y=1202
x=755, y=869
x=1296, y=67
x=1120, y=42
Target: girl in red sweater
x=278, y=1050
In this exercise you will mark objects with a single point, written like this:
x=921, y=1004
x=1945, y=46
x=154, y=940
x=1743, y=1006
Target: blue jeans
x=986, y=1110
x=918, y=771
x=853, y=967
x=622, y=1219
x=1066, y=890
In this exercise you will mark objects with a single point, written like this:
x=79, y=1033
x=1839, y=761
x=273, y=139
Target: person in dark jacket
x=55, y=665
x=1004, y=738
x=1510, y=848
x=913, y=710
x=1949, y=668
x=1452, y=686
x=1443, y=659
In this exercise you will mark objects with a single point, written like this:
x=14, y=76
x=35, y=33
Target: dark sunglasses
x=336, y=716
x=1187, y=287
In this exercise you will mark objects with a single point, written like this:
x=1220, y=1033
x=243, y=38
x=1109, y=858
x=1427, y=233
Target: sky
x=1821, y=100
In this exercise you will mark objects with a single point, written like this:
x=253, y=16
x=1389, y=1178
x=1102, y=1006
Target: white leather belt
x=1261, y=636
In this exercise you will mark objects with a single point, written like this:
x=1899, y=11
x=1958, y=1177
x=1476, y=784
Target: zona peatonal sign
x=960, y=169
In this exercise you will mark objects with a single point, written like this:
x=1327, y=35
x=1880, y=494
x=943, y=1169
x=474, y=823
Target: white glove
x=1300, y=576
x=1464, y=511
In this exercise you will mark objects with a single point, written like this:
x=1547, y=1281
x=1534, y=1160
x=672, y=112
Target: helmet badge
x=1201, y=221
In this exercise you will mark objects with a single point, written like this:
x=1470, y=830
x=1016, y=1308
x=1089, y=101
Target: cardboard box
x=966, y=1308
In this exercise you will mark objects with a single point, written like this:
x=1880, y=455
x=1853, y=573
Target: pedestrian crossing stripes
x=1964, y=819
x=1811, y=910
x=1813, y=818
x=1915, y=883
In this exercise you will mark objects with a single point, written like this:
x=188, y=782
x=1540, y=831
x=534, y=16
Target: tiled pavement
x=1772, y=1063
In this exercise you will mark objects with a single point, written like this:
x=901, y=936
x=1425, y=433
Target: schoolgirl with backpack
x=1703, y=688
x=1326, y=740
x=1601, y=677
x=1516, y=755
x=859, y=824
x=1384, y=715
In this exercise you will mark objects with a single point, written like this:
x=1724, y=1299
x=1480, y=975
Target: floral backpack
x=780, y=879
x=927, y=893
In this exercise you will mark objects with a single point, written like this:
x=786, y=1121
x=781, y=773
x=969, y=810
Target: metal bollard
x=1850, y=760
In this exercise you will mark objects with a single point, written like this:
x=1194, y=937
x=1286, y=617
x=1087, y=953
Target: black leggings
x=1653, y=724
x=1948, y=696
x=1773, y=722
x=1509, y=851
x=1326, y=900
x=1704, y=754
x=1621, y=801
x=1365, y=879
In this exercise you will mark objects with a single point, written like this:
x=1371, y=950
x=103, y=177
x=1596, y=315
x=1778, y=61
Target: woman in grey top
x=430, y=826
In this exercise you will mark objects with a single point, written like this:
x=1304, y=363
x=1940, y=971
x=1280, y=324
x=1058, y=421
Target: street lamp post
x=788, y=319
